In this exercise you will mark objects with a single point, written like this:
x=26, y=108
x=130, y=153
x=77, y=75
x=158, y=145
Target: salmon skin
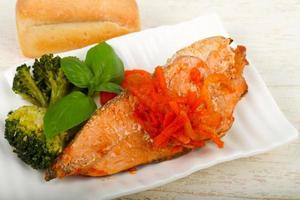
x=112, y=141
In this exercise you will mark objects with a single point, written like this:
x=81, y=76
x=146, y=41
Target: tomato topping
x=171, y=120
x=106, y=96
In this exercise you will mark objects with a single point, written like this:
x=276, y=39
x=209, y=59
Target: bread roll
x=49, y=26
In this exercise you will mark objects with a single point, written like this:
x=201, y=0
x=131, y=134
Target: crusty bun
x=49, y=26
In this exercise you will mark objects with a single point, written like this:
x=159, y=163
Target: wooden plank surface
x=271, y=32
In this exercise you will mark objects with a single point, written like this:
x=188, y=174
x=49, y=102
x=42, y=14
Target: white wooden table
x=271, y=32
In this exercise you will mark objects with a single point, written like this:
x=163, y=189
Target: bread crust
x=49, y=26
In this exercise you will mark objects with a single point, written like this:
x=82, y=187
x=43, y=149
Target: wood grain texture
x=271, y=31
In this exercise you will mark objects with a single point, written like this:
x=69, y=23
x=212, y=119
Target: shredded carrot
x=168, y=118
x=217, y=141
x=162, y=139
x=188, y=129
x=181, y=138
x=174, y=107
x=159, y=75
x=172, y=120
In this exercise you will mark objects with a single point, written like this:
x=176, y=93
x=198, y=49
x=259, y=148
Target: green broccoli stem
x=59, y=87
x=40, y=98
x=36, y=96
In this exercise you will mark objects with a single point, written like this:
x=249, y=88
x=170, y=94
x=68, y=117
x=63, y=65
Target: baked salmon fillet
x=113, y=141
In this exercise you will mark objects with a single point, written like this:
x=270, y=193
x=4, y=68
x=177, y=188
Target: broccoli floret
x=24, y=132
x=25, y=86
x=45, y=85
x=42, y=86
x=50, y=78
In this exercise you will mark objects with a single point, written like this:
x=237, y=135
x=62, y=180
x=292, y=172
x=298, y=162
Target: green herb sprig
x=102, y=70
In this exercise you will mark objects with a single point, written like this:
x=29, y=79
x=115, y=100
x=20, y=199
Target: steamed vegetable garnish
x=50, y=78
x=45, y=85
x=187, y=121
x=24, y=132
x=67, y=113
x=26, y=87
x=61, y=91
x=102, y=70
x=24, y=128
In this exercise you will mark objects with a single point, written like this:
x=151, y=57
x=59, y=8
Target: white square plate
x=259, y=125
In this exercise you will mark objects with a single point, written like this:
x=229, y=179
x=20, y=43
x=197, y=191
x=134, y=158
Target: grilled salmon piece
x=112, y=141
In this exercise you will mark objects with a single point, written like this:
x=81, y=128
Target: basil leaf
x=76, y=71
x=109, y=87
x=105, y=64
x=68, y=112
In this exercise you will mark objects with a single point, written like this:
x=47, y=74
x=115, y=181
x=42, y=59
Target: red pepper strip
x=168, y=118
x=193, y=101
x=106, y=96
x=164, y=136
x=174, y=107
x=172, y=119
x=209, y=133
x=159, y=76
x=188, y=129
x=217, y=141
x=182, y=138
x=154, y=118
